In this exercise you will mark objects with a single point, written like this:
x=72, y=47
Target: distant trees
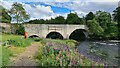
x=59, y=19
x=72, y=18
x=4, y=16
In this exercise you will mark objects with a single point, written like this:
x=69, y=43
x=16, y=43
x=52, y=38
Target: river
x=101, y=51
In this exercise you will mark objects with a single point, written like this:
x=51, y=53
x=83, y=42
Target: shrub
x=20, y=30
x=19, y=42
x=37, y=39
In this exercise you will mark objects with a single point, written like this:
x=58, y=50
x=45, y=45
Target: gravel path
x=26, y=58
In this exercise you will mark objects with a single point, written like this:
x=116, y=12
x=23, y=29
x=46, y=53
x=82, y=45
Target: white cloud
x=5, y=4
x=61, y=0
x=104, y=0
x=37, y=12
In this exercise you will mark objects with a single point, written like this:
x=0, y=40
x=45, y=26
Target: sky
x=47, y=9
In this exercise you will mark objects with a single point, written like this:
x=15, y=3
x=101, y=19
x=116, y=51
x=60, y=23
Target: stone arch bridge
x=65, y=30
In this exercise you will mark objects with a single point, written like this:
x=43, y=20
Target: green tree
x=113, y=30
x=104, y=19
x=59, y=20
x=18, y=13
x=4, y=16
x=89, y=16
x=73, y=18
x=94, y=28
x=116, y=15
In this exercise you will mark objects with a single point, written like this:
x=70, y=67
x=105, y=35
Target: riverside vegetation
x=51, y=53
x=62, y=53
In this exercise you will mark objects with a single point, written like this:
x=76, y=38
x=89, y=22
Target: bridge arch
x=78, y=34
x=33, y=36
x=54, y=35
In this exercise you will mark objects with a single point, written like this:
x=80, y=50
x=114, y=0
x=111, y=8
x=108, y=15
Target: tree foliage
x=18, y=13
x=4, y=16
x=20, y=30
x=89, y=16
x=73, y=18
x=59, y=19
x=116, y=14
x=94, y=27
x=103, y=18
x=116, y=17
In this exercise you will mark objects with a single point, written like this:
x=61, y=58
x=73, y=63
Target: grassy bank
x=15, y=40
x=61, y=53
x=13, y=46
x=6, y=53
x=5, y=37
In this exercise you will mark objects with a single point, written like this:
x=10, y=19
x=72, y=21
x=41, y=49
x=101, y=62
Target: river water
x=101, y=51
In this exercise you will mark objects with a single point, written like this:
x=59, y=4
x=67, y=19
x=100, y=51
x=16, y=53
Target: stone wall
x=5, y=28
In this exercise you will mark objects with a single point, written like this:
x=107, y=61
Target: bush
x=19, y=42
x=20, y=30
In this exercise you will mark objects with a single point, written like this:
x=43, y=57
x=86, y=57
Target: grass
x=15, y=40
x=19, y=42
x=0, y=56
x=5, y=37
x=18, y=45
x=6, y=54
x=16, y=50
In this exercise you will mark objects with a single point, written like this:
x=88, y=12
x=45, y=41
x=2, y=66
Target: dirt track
x=27, y=57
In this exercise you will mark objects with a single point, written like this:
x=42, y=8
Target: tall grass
x=19, y=42
x=5, y=37
x=6, y=53
x=15, y=40
x=0, y=55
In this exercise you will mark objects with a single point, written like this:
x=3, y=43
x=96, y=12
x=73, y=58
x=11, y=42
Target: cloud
x=46, y=11
x=36, y=12
x=104, y=0
x=87, y=6
x=5, y=4
x=64, y=0
x=61, y=0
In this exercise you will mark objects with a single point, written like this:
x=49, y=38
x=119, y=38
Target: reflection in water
x=101, y=51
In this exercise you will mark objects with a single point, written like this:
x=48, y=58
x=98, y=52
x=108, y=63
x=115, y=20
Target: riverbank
x=52, y=52
x=62, y=53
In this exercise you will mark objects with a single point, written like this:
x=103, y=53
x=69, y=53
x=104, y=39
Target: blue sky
x=56, y=9
x=45, y=9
